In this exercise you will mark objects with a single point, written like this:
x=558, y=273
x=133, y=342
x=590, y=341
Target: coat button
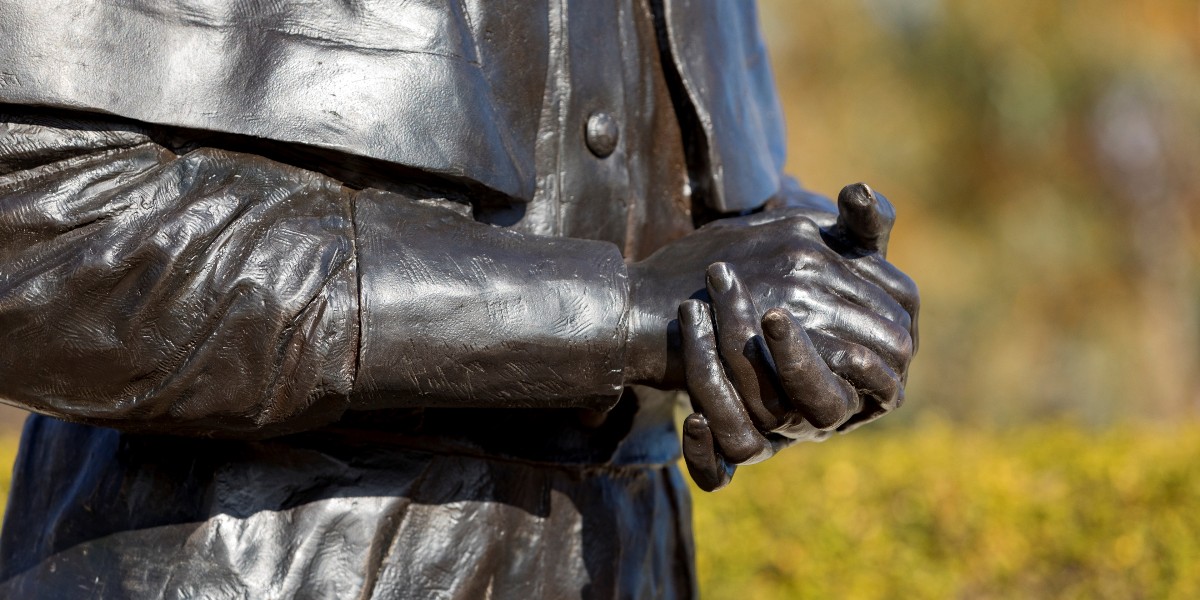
x=602, y=134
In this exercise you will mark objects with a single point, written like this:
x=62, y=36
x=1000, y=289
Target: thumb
x=865, y=218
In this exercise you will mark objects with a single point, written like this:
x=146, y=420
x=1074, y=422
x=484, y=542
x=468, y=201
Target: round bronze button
x=602, y=134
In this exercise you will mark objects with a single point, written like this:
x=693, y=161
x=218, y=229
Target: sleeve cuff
x=461, y=314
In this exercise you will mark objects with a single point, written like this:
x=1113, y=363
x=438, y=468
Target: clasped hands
x=800, y=327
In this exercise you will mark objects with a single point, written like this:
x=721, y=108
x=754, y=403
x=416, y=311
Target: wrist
x=652, y=333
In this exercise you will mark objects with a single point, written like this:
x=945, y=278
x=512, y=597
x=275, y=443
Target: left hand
x=739, y=359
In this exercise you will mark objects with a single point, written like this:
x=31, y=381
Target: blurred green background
x=1042, y=156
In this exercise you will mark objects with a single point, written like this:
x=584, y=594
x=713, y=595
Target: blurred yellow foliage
x=8, y=454
x=938, y=511
x=1044, y=158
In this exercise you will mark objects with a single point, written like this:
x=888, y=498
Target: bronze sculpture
x=385, y=301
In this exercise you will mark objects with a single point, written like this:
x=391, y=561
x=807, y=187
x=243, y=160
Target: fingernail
x=696, y=427
x=857, y=194
x=775, y=325
x=720, y=277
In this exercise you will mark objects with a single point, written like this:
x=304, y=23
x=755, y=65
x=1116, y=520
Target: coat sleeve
x=219, y=293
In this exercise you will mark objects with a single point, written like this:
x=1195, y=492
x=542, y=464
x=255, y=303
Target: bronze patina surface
x=394, y=300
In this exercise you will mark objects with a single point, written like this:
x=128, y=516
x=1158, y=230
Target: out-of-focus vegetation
x=1044, y=157
x=934, y=511
x=8, y=454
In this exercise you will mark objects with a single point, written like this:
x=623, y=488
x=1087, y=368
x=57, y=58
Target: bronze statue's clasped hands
x=802, y=328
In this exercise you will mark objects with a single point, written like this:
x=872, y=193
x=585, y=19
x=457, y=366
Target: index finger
x=713, y=394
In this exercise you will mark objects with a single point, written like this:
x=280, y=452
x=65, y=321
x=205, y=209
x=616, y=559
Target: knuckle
x=904, y=320
x=859, y=358
x=906, y=349
x=710, y=377
x=810, y=254
x=741, y=308
x=830, y=416
x=793, y=371
x=897, y=347
x=909, y=291
x=805, y=227
x=704, y=379
x=838, y=360
x=893, y=393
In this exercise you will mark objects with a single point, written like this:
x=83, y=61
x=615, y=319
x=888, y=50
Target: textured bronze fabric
x=135, y=286
x=217, y=293
x=444, y=87
x=219, y=318
x=96, y=513
x=358, y=299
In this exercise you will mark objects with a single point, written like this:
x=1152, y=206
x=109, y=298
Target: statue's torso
x=521, y=503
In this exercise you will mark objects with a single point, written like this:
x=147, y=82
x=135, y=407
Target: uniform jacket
x=451, y=87
x=233, y=235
